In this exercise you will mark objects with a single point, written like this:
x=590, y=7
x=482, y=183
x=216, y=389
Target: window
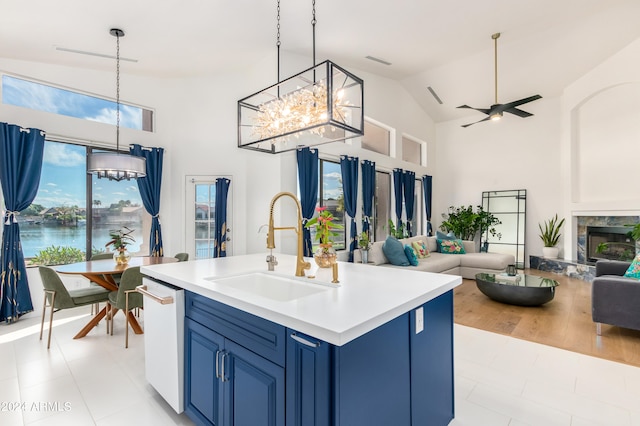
x=382, y=206
x=42, y=97
x=331, y=196
x=414, y=151
x=201, y=209
x=74, y=209
x=378, y=137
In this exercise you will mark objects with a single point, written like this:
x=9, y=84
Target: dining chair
x=102, y=256
x=182, y=257
x=57, y=297
x=125, y=298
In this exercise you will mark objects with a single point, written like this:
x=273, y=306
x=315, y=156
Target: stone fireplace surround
x=579, y=268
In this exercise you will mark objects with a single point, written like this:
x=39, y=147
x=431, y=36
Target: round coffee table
x=522, y=290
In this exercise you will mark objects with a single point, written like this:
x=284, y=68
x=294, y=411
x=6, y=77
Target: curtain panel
x=220, y=231
x=398, y=180
x=409, y=188
x=427, y=190
x=349, y=168
x=368, y=193
x=21, y=153
x=149, y=187
x=308, y=181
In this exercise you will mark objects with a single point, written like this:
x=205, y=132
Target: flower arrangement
x=324, y=226
x=120, y=238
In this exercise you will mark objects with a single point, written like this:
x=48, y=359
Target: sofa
x=614, y=298
x=466, y=265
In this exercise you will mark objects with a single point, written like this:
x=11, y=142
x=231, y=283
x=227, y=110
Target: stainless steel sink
x=272, y=286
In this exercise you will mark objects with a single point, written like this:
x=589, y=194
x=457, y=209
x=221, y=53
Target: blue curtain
x=308, y=181
x=349, y=168
x=149, y=187
x=397, y=191
x=20, y=166
x=220, y=232
x=427, y=190
x=368, y=192
x=409, y=185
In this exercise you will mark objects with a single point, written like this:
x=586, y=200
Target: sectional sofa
x=466, y=265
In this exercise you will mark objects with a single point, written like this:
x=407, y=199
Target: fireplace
x=620, y=225
x=609, y=242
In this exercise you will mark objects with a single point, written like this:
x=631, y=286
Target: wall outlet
x=419, y=319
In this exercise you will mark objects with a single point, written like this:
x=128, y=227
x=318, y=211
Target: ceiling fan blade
x=484, y=110
x=518, y=112
x=475, y=122
x=521, y=101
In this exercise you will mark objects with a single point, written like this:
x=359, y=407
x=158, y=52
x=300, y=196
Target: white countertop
x=367, y=296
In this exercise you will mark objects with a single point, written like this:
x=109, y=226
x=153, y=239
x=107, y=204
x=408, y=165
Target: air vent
x=434, y=94
x=382, y=61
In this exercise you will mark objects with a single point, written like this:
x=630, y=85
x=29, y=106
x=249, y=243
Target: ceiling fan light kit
x=495, y=111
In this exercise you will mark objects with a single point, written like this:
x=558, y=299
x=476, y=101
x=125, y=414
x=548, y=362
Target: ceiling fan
x=494, y=112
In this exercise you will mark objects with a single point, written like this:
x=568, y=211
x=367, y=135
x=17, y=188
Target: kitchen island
x=270, y=348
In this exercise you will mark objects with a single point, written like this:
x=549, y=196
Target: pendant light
x=115, y=165
x=319, y=105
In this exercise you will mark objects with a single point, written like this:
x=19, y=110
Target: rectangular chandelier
x=320, y=105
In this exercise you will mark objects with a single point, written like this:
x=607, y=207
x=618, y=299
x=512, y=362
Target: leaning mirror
x=510, y=208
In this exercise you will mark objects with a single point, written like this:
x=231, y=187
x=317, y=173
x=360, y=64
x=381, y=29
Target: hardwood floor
x=565, y=322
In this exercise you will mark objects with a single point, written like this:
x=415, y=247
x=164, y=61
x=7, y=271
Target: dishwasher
x=164, y=340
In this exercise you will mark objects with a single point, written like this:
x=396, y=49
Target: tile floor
x=499, y=380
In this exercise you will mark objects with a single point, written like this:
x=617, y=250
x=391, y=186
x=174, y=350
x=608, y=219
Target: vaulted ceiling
x=446, y=45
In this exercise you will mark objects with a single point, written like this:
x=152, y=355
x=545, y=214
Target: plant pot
x=550, y=252
x=121, y=256
x=365, y=255
x=325, y=256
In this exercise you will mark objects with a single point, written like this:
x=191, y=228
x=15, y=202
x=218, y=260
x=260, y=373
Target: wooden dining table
x=102, y=272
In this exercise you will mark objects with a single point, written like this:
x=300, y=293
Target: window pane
x=411, y=151
x=332, y=197
x=376, y=138
x=41, y=97
x=117, y=205
x=382, y=205
x=205, y=219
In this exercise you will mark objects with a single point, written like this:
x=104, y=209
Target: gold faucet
x=301, y=265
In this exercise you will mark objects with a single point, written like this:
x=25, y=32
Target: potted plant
x=465, y=223
x=324, y=226
x=120, y=239
x=365, y=244
x=550, y=235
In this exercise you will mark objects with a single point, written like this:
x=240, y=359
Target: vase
x=365, y=255
x=550, y=252
x=121, y=256
x=325, y=256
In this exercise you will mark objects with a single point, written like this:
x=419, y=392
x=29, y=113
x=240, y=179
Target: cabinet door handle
x=217, y=364
x=223, y=361
x=304, y=341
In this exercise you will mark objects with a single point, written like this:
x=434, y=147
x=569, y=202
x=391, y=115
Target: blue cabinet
x=242, y=370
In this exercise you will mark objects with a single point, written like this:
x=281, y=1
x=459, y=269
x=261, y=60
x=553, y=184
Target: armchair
x=614, y=298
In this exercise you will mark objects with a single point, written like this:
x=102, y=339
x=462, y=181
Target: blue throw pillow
x=451, y=246
x=442, y=236
x=394, y=252
x=412, y=257
x=634, y=269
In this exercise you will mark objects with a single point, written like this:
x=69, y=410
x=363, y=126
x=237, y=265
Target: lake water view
x=38, y=237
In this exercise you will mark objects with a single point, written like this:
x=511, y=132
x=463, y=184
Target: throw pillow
x=411, y=255
x=451, y=246
x=634, y=269
x=394, y=252
x=442, y=236
x=421, y=249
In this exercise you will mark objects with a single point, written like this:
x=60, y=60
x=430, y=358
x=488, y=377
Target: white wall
x=195, y=121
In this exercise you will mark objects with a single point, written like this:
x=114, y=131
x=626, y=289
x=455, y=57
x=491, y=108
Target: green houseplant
x=466, y=223
x=365, y=244
x=120, y=239
x=550, y=235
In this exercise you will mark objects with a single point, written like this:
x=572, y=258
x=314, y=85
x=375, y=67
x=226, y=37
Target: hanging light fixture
x=319, y=105
x=115, y=165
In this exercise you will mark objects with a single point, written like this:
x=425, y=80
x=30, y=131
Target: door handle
x=223, y=362
x=217, y=364
x=167, y=300
x=304, y=341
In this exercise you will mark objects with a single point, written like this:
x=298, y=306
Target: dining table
x=102, y=272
